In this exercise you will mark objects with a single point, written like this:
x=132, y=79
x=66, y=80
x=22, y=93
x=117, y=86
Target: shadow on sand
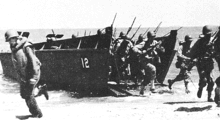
x=193, y=109
x=23, y=117
x=183, y=102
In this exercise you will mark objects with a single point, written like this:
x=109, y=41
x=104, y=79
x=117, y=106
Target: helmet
x=188, y=38
x=121, y=34
x=10, y=34
x=150, y=34
x=206, y=30
x=141, y=38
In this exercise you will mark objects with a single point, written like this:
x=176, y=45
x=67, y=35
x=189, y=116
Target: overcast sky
x=34, y=14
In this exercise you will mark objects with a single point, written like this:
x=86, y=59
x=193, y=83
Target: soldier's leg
x=31, y=102
x=186, y=82
x=146, y=78
x=144, y=83
x=179, y=77
x=113, y=73
x=209, y=67
x=202, y=80
x=134, y=71
x=210, y=88
x=41, y=88
x=151, y=71
x=33, y=107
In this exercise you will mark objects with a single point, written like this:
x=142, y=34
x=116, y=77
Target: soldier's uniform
x=27, y=66
x=205, y=64
x=184, y=63
x=148, y=58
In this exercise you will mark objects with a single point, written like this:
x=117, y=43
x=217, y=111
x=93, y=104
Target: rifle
x=145, y=32
x=113, y=20
x=169, y=32
x=215, y=36
x=135, y=32
x=157, y=28
x=129, y=29
x=150, y=51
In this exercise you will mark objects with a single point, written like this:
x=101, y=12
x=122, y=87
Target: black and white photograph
x=110, y=59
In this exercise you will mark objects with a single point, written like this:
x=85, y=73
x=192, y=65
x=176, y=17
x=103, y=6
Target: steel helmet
x=206, y=30
x=121, y=34
x=151, y=34
x=188, y=38
x=140, y=37
x=10, y=34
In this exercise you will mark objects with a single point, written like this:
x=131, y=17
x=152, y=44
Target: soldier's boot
x=209, y=97
x=33, y=107
x=43, y=91
x=152, y=89
x=170, y=82
x=142, y=90
x=186, y=86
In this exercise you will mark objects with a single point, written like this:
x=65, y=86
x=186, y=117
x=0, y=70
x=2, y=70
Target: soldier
x=135, y=66
x=27, y=66
x=203, y=52
x=140, y=39
x=183, y=62
x=121, y=49
x=147, y=52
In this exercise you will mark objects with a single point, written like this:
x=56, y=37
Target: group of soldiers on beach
x=138, y=60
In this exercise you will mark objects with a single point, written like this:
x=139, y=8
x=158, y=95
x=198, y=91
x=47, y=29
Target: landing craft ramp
x=168, y=42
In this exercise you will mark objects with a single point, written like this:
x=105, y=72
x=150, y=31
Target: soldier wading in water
x=27, y=66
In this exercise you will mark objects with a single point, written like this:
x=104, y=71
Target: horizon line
x=109, y=26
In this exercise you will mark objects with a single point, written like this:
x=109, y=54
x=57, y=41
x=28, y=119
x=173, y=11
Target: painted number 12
x=85, y=62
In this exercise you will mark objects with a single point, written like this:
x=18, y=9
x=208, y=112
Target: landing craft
x=82, y=69
x=82, y=63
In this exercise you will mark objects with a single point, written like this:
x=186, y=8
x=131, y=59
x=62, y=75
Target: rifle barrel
x=136, y=32
x=145, y=32
x=114, y=19
x=155, y=31
x=129, y=29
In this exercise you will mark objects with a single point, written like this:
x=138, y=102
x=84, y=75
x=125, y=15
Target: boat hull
x=82, y=70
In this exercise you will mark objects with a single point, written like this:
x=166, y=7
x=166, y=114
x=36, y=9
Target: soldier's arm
x=34, y=62
x=179, y=53
x=19, y=45
x=138, y=48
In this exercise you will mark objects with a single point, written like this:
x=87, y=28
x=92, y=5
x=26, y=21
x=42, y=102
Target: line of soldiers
x=137, y=58
x=140, y=58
